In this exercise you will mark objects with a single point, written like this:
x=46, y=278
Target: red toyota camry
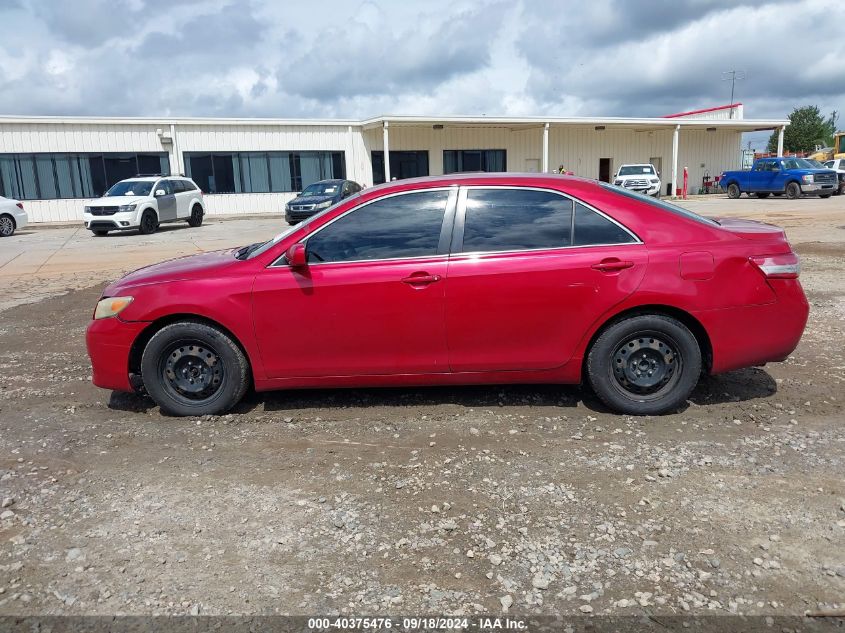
x=460, y=279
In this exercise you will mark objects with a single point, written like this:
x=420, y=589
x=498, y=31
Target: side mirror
x=296, y=256
x=160, y=192
x=658, y=172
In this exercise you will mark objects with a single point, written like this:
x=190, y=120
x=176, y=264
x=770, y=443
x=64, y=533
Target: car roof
x=500, y=179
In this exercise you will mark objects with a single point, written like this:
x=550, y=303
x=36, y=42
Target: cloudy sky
x=352, y=58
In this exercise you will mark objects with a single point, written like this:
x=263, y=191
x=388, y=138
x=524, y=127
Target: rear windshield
x=660, y=204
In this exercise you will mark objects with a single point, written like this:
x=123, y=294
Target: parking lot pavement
x=456, y=500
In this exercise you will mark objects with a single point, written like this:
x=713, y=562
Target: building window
x=455, y=160
x=53, y=176
x=402, y=165
x=262, y=172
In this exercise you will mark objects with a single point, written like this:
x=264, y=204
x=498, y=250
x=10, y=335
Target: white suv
x=145, y=202
x=642, y=178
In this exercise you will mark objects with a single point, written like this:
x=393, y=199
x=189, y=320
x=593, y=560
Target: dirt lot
x=528, y=499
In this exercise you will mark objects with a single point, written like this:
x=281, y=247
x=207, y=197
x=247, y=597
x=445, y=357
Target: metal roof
x=641, y=123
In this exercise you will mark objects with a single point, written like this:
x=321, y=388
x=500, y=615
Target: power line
x=733, y=76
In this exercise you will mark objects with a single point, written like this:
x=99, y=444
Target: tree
x=807, y=128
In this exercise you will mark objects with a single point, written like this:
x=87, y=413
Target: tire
x=734, y=191
x=668, y=348
x=7, y=225
x=778, y=195
x=762, y=195
x=839, y=190
x=657, y=195
x=100, y=233
x=196, y=216
x=793, y=191
x=190, y=368
x=825, y=195
x=149, y=222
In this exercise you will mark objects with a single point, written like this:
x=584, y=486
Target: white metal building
x=247, y=166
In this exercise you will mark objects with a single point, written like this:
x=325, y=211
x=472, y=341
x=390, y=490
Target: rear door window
x=403, y=226
x=516, y=220
x=592, y=229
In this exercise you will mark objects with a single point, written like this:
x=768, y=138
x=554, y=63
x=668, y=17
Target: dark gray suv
x=318, y=196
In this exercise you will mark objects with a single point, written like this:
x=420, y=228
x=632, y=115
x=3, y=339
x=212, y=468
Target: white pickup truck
x=838, y=165
x=642, y=178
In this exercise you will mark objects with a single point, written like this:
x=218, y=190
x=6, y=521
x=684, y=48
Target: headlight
x=654, y=181
x=323, y=205
x=111, y=306
x=287, y=206
x=124, y=208
x=87, y=209
x=807, y=178
x=617, y=182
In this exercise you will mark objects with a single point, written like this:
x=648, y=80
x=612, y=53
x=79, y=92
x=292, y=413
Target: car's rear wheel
x=762, y=195
x=734, y=191
x=7, y=225
x=149, y=222
x=825, y=195
x=793, y=191
x=192, y=368
x=100, y=233
x=196, y=216
x=644, y=365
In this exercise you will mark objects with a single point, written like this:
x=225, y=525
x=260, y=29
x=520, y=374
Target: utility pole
x=733, y=76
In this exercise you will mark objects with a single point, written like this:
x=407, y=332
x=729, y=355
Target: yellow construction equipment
x=829, y=153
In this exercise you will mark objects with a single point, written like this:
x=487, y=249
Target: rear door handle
x=421, y=279
x=612, y=265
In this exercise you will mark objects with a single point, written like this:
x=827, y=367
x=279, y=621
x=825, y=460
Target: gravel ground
x=457, y=500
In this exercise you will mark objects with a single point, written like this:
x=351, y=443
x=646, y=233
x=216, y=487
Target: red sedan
x=460, y=279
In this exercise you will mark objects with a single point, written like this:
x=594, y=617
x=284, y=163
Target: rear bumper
x=753, y=335
x=109, y=343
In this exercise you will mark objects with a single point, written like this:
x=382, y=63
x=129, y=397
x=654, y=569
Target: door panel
x=544, y=268
x=352, y=319
x=521, y=311
x=166, y=204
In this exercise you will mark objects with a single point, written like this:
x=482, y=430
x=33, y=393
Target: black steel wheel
x=192, y=368
x=734, y=191
x=644, y=365
x=149, y=222
x=7, y=225
x=196, y=216
x=793, y=191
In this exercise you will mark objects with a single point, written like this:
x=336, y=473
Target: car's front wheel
x=793, y=191
x=100, y=232
x=644, y=365
x=734, y=191
x=191, y=368
x=149, y=222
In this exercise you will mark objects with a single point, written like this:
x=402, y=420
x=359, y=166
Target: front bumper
x=815, y=187
x=648, y=190
x=126, y=220
x=109, y=343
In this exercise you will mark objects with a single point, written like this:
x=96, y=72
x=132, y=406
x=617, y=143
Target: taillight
x=777, y=266
x=19, y=205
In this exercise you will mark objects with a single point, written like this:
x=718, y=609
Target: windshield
x=131, y=188
x=254, y=250
x=634, y=170
x=661, y=204
x=321, y=189
x=797, y=163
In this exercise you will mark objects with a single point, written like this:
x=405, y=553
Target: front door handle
x=421, y=279
x=612, y=265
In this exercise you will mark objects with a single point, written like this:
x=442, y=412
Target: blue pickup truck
x=779, y=176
